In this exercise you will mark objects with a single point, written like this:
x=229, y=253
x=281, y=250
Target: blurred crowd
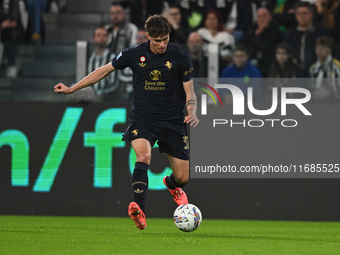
x=21, y=22
x=255, y=38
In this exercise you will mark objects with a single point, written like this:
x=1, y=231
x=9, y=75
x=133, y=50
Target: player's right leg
x=178, y=179
x=175, y=145
x=142, y=148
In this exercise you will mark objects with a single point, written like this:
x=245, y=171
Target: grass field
x=84, y=235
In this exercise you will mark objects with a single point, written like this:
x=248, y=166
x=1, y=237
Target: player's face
x=158, y=44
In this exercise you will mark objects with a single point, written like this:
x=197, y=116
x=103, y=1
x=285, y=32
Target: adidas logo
x=138, y=191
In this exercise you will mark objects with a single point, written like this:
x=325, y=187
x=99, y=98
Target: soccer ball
x=187, y=217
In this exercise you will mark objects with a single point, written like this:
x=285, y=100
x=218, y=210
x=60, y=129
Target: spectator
x=326, y=12
x=35, y=8
x=283, y=66
x=242, y=68
x=283, y=13
x=141, y=36
x=11, y=32
x=198, y=58
x=117, y=86
x=284, y=70
x=237, y=15
x=179, y=27
x=213, y=32
x=140, y=10
x=99, y=57
x=122, y=34
x=261, y=40
x=325, y=67
x=302, y=38
x=193, y=11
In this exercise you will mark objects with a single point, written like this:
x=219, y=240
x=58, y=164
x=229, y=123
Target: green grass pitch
x=86, y=235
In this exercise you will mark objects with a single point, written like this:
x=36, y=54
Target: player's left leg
x=136, y=209
x=178, y=179
x=142, y=148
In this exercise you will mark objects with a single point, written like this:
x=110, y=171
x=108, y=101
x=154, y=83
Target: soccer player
x=162, y=83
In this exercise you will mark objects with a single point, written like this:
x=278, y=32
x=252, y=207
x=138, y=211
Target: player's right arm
x=94, y=77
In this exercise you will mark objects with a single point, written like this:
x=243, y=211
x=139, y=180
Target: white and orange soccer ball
x=187, y=217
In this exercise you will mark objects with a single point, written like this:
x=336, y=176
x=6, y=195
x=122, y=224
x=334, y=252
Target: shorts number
x=185, y=140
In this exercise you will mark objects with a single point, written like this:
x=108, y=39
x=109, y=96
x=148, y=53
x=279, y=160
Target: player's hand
x=192, y=119
x=61, y=88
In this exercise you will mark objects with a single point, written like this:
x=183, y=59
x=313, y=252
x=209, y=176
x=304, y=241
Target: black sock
x=140, y=184
x=169, y=184
x=172, y=183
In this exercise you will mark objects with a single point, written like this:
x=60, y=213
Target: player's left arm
x=191, y=103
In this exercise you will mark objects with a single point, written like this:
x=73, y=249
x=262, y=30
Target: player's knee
x=183, y=179
x=144, y=157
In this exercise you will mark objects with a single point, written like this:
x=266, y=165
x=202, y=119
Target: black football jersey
x=157, y=79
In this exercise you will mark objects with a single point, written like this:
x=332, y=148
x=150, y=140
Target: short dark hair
x=242, y=48
x=304, y=4
x=325, y=41
x=284, y=46
x=157, y=25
